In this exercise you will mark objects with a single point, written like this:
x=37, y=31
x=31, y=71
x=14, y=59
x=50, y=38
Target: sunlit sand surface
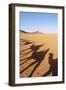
x=34, y=53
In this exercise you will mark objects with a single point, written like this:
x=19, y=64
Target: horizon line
x=37, y=31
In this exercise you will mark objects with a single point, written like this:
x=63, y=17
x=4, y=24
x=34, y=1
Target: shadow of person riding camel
x=37, y=56
x=53, y=66
x=32, y=48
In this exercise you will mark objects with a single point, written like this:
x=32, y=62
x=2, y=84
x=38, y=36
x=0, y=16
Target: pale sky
x=42, y=22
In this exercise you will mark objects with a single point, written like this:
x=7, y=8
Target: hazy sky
x=43, y=22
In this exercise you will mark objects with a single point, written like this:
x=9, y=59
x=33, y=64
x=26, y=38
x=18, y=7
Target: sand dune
x=35, y=52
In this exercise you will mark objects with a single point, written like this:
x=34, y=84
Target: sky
x=42, y=22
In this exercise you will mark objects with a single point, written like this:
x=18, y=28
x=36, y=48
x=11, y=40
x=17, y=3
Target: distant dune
x=36, y=32
x=36, y=49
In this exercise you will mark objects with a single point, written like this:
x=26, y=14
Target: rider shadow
x=37, y=56
x=53, y=66
x=32, y=48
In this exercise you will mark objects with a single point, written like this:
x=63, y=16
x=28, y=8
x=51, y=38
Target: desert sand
x=34, y=53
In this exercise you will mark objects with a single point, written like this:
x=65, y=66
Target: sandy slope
x=46, y=41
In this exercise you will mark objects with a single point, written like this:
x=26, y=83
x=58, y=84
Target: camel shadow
x=53, y=66
x=26, y=42
x=37, y=56
x=32, y=48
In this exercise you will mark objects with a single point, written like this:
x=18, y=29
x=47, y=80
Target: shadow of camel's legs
x=29, y=66
x=25, y=59
x=27, y=53
x=34, y=69
x=24, y=50
x=24, y=62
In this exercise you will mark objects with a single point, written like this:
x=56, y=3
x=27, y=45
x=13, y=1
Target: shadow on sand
x=53, y=66
x=37, y=56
